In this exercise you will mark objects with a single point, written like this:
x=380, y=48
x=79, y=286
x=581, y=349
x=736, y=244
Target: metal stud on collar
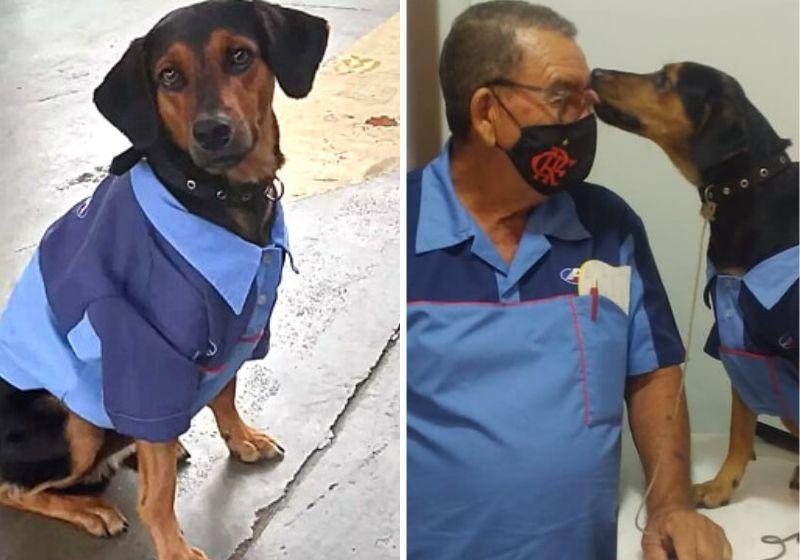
x=222, y=195
x=726, y=191
x=191, y=185
x=246, y=197
x=782, y=159
x=763, y=172
x=744, y=183
x=278, y=192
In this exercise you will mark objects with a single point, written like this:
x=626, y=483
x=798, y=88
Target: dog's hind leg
x=718, y=492
x=90, y=513
x=246, y=443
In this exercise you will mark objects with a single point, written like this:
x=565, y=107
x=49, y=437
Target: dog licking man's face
x=697, y=114
x=204, y=79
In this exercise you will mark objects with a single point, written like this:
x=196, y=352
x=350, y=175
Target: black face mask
x=553, y=157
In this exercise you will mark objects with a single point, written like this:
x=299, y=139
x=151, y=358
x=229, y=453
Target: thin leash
x=684, y=369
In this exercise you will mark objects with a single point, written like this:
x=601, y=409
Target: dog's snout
x=598, y=74
x=213, y=133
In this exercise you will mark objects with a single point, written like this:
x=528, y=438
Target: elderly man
x=534, y=309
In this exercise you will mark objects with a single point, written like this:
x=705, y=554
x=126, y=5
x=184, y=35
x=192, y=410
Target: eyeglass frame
x=540, y=90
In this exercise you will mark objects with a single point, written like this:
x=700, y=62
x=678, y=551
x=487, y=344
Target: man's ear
x=292, y=44
x=722, y=132
x=483, y=114
x=126, y=100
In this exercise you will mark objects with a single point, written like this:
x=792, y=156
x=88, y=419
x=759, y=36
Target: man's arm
x=651, y=402
x=673, y=526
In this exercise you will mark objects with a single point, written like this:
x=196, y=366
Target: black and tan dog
x=194, y=96
x=748, y=188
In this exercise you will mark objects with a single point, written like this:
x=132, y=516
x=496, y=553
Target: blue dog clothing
x=136, y=313
x=755, y=333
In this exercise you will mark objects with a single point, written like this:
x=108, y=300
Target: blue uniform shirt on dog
x=136, y=313
x=515, y=381
x=755, y=333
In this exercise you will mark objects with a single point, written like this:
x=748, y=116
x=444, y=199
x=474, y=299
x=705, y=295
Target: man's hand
x=684, y=534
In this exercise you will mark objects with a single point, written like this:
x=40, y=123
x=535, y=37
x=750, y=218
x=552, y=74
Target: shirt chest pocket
x=601, y=335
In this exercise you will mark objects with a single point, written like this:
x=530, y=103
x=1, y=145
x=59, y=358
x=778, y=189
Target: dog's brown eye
x=240, y=59
x=169, y=77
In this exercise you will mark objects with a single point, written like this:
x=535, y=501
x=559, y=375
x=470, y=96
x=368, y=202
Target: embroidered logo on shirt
x=787, y=342
x=571, y=275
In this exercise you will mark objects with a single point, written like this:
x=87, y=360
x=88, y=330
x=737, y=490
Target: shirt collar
x=444, y=222
x=228, y=262
x=771, y=278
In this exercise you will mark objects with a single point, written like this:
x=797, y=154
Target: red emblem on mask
x=550, y=166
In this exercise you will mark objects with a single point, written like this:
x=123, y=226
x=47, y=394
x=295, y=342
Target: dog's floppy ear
x=292, y=44
x=126, y=100
x=721, y=132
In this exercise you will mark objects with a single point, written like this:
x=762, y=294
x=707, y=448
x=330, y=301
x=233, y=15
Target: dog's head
x=698, y=115
x=204, y=78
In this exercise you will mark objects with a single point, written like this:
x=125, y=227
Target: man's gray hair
x=482, y=46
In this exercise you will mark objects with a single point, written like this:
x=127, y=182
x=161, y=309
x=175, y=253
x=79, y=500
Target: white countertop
x=762, y=505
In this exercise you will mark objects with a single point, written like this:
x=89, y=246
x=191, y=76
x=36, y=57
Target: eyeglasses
x=568, y=104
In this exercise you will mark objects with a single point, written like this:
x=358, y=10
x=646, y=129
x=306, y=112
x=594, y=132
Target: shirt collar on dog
x=227, y=261
x=444, y=222
x=770, y=279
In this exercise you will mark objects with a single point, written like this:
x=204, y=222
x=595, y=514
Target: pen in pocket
x=595, y=297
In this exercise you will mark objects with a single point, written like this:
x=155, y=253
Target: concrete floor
x=329, y=389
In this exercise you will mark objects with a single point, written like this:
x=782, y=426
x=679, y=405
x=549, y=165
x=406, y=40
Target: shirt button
x=267, y=258
x=262, y=299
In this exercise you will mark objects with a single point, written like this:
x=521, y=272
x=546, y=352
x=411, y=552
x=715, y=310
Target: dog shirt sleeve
x=653, y=338
x=148, y=385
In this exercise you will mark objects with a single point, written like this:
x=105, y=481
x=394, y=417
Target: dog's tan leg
x=718, y=492
x=246, y=443
x=158, y=475
x=794, y=483
x=85, y=441
x=90, y=513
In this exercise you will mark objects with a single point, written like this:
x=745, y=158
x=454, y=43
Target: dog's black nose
x=212, y=133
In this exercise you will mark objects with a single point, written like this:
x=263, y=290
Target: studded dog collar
x=716, y=193
x=199, y=184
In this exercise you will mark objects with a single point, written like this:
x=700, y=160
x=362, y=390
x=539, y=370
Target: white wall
x=755, y=41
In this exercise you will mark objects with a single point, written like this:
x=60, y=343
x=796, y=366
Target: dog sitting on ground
x=748, y=188
x=143, y=301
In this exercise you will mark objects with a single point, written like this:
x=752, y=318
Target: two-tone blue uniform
x=755, y=332
x=135, y=313
x=515, y=384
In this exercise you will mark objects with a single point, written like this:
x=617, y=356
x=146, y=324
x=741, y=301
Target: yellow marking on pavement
x=327, y=137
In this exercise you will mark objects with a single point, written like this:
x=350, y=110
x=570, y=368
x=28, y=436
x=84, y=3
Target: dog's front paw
x=714, y=493
x=250, y=445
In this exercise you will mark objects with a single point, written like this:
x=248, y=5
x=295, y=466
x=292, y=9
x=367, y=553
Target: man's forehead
x=550, y=58
x=193, y=25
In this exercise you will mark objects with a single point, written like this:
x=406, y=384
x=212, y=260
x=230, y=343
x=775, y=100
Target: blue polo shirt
x=515, y=384
x=755, y=332
x=135, y=313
